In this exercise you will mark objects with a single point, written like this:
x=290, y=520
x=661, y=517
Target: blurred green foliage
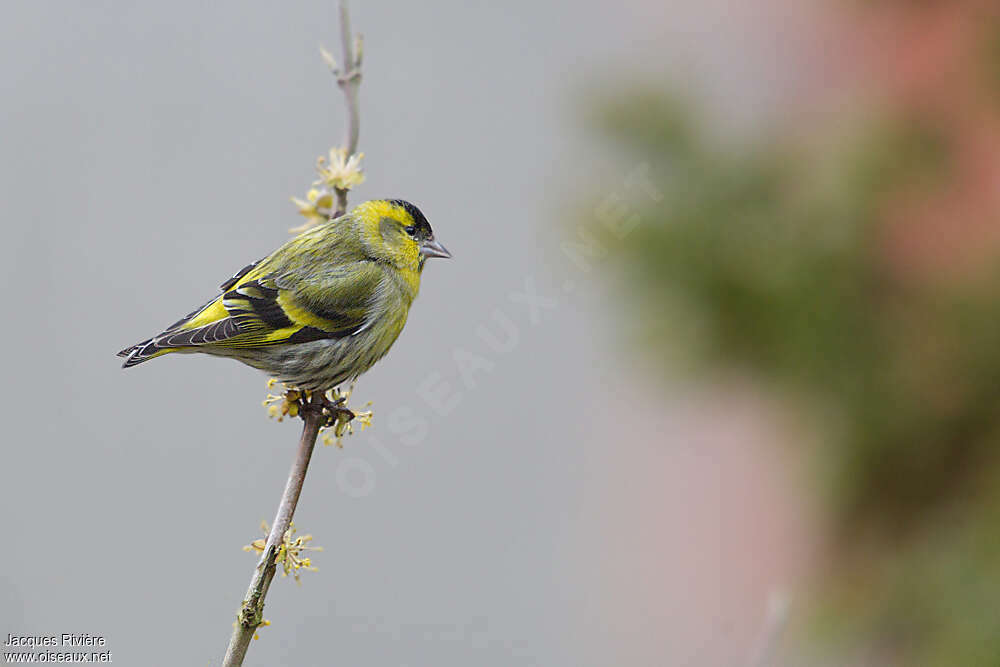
x=773, y=260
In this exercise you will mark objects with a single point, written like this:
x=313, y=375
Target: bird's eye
x=411, y=230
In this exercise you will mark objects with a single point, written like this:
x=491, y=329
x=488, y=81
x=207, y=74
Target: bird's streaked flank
x=321, y=309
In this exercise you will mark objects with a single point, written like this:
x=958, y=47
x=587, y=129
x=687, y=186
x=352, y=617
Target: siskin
x=321, y=309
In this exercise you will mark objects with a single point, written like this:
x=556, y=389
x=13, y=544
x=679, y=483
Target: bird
x=320, y=310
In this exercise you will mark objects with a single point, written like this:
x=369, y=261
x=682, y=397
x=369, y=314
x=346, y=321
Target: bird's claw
x=335, y=411
x=332, y=411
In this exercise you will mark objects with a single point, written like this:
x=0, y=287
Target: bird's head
x=396, y=231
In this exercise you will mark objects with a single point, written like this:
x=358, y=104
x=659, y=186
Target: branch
x=349, y=79
x=252, y=610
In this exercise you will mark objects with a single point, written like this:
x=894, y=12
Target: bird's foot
x=329, y=408
x=333, y=412
x=336, y=412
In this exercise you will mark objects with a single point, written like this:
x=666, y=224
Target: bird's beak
x=431, y=248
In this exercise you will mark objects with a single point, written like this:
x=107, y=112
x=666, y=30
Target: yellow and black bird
x=321, y=309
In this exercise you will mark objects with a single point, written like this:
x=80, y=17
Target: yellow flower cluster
x=287, y=403
x=340, y=172
x=316, y=208
x=289, y=554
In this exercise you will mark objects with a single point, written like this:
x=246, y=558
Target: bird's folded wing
x=273, y=309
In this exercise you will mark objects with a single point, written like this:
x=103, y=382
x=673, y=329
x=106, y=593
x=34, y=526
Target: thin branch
x=252, y=610
x=349, y=79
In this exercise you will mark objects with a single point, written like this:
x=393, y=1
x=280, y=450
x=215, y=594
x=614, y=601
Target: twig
x=252, y=610
x=349, y=79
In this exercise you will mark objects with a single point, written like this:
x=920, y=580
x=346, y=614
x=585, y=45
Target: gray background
x=149, y=151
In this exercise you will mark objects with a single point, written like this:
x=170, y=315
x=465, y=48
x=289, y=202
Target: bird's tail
x=144, y=351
